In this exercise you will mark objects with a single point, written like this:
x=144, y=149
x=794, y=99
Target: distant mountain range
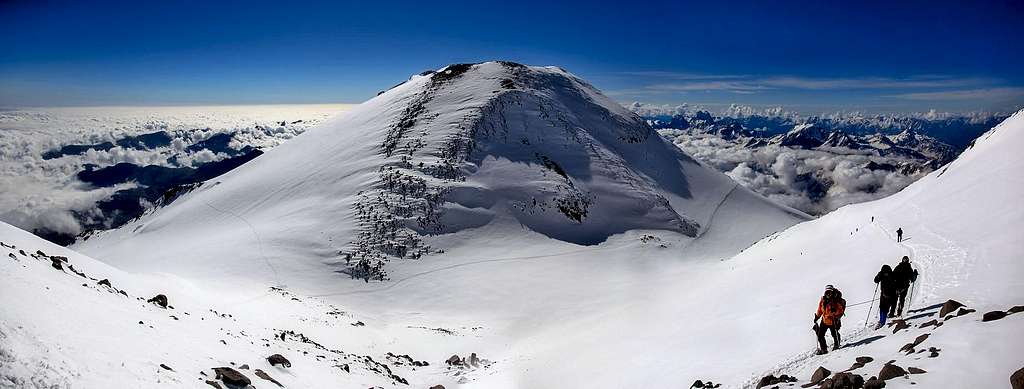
x=939, y=140
x=819, y=164
x=953, y=130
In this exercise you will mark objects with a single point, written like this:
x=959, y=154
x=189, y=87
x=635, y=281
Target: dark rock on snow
x=454, y=360
x=915, y=370
x=437, y=387
x=949, y=307
x=278, y=359
x=1015, y=309
x=214, y=384
x=994, y=315
x=159, y=300
x=772, y=380
x=890, y=371
x=165, y=367
x=865, y=360
x=262, y=374
x=820, y=374
x=1017, y=379
x=843, y=381
x=231, y=377
x=704, y=385
x=909, y=347
x=104, y=282
x=899, y=324
x=874, y=383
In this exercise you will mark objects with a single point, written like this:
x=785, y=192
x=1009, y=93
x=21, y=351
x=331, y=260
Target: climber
x=830, y=310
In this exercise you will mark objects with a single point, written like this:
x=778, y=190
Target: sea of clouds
x=42, y=194
x=791, y=176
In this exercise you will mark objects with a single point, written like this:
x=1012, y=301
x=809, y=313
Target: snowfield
x=636, y=299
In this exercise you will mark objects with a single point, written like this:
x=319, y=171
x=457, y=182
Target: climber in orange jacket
x=830, y=311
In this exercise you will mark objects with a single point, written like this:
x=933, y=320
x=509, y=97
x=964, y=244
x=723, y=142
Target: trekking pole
x=868, y=318
x=913, y=285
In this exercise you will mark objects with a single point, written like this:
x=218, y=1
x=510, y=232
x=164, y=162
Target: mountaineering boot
x=879, y=325
x=821, y=352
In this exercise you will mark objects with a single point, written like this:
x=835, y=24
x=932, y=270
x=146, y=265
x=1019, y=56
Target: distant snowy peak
x=517, y=149
x=805, y=135
x=841, y=139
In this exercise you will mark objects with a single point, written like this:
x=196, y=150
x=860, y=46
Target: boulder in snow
x=1015, y=309
x=454, y=360
x=820, y=374
x=899, y=324
x=231, y=377
x=278, y=359
x=843, y=381
x=1017, y=379
x=949, y=307
x=159, y=300
x=890, y=371
x=915, y=370
x=874, y=383
x=992, y=316
x=262, y=374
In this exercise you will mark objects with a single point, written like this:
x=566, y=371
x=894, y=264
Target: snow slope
x=647, y=307
x=522, y=150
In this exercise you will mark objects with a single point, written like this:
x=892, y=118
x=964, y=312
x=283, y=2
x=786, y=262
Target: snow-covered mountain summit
x=497, y=145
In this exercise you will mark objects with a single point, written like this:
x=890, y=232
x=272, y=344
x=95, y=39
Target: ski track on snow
x=259, y=241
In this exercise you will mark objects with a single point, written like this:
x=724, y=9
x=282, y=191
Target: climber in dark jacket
x=887, y=297
x=903, y=275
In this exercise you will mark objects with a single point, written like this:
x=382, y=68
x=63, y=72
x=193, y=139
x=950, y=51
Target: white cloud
x=38, y=193
x=788, y=175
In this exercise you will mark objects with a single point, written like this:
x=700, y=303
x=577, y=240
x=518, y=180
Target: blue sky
x=809, y=56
